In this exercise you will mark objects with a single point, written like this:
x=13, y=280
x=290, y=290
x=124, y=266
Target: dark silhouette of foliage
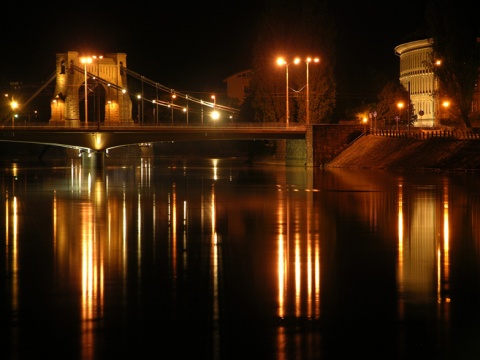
x=453, y=26
x=387, y=110
x=294, y=29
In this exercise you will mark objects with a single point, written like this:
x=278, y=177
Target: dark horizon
x=193, y=47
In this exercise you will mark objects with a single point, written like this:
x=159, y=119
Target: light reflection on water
x=202, y=258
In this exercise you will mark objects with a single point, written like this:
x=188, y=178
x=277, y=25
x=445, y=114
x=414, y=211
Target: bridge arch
x=108, y=100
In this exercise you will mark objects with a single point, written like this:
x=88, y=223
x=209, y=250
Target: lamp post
x=138, y=107
x=156, y=106
x=281, y=61
x=445, y=105
x=85, y=61
x=400, y=106
x=122, y=107
x=96, y=110
x=55, y=101
x=186, y=97
x=408, y=108
x=14, y=106
x=373, y=120
x=171, y=105
x=215, y=114
x=435, y=92
x=307, y=61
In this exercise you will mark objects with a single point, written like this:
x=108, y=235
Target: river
x=221, y=259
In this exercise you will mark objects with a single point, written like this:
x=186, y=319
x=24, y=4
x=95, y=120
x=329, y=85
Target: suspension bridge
x=91, y=109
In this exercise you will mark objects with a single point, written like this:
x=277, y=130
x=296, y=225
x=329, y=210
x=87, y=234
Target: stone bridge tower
x=107, y=98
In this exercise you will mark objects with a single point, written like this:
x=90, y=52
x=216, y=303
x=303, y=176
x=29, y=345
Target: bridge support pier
x=94, y=159
x=309, y=146
x=297, y=152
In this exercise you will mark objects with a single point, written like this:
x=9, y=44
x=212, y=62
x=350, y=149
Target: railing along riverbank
x=429, y=134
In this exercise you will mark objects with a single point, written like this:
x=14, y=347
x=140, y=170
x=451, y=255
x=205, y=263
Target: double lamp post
x=281, y=61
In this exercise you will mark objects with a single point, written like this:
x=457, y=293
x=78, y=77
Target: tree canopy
x=453, y=25
x=292, y=29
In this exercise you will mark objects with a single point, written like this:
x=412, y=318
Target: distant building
x=418, y=78
x=238, y=84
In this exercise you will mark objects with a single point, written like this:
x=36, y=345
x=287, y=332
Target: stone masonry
x=68, y=101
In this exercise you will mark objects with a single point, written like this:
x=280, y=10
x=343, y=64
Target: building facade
x=416, y=75
x=237, y=85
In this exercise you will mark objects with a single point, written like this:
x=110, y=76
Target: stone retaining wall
x=330, y=140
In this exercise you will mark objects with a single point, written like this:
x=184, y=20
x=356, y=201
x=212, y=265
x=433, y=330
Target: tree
x=387, y=110
x=246, y=109
x=290, y=29
x=454, y=30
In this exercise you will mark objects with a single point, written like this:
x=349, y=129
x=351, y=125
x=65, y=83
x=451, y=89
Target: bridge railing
x=144, y=126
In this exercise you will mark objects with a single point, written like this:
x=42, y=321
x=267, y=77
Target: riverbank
x=381, y=152
x=375, y=152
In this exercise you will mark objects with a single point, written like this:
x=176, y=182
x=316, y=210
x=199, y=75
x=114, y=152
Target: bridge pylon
x=108, y=100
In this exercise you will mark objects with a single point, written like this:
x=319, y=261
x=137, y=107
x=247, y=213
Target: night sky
x=188, y=46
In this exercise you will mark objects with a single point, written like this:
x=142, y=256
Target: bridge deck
x=100, y=138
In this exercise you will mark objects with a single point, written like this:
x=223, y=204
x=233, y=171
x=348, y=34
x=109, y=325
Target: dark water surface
x=215, y=259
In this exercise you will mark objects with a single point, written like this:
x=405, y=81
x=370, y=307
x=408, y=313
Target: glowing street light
x=186, y=109
x=307, y=105
x=85, y=61
x=173, y=98
x=400, y=106
x=215, y=113
x=124, y=91
x=213, y=97
x=109, y=110
x=281, y=61
x=95, y=110
x=138, y=107
x=14, y=106
x=445, y=105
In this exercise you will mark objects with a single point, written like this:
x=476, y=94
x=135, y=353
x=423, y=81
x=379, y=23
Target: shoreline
x=380, y=152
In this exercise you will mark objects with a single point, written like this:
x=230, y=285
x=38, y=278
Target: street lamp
x=400, y=106
x=96, y=111
x=109, y=108
x=214, y=101
x=85, y=61
x=307, y=106
x=55, y=101
x=138, y=107
x=173, y=98
x=436, y=92
x=14, y=106
x=122, y=108
x=186, y=97
x=215, y=114
x=281, y=61
x=445, y=105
